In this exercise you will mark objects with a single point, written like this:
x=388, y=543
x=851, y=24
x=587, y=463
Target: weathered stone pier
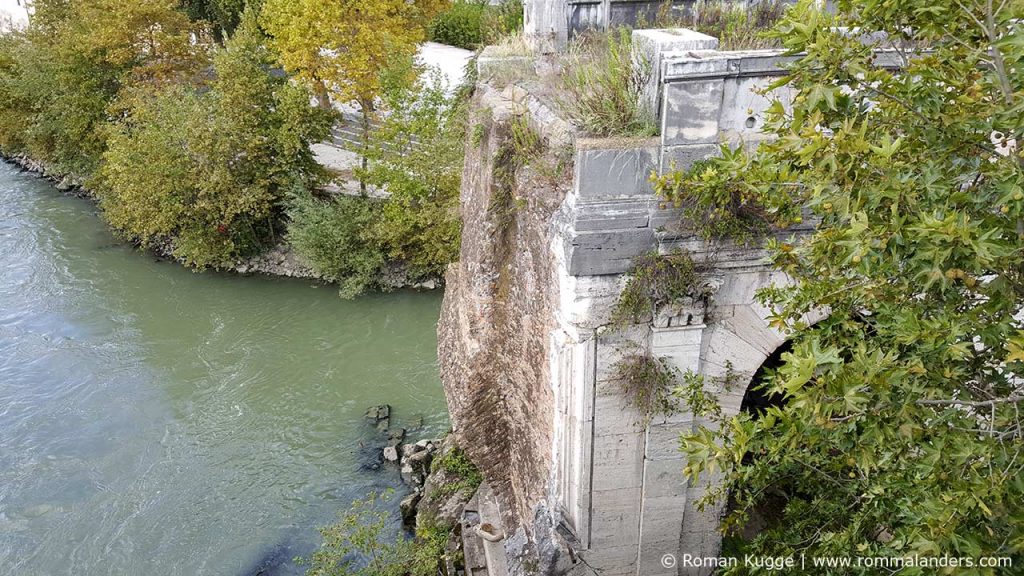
x=526, y=349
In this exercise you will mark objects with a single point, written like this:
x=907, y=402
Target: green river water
x=155, y=421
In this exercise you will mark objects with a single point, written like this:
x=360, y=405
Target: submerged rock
x=369, y=457
x=380, y=415
x=395, y=437
x=274, y=561
x=378, y=412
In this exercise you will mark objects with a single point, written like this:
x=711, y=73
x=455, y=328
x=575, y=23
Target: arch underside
x=632, y=505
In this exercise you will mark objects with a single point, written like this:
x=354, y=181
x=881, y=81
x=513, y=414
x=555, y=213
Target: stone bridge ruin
x=576, y=482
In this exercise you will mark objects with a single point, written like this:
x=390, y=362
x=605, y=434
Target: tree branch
x=997, y=55
x=971, y=404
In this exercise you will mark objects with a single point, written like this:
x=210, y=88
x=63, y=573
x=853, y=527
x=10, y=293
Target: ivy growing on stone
x=458, y=464
x=521, y=144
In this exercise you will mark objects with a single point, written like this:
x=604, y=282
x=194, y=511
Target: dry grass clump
x=603, y=82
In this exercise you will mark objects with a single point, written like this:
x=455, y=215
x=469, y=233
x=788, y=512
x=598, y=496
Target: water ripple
x=156, y=421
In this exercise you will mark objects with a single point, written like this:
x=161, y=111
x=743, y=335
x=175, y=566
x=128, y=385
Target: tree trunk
x=323, y=97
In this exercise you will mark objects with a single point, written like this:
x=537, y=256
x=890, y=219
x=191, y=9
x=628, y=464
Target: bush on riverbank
x=60, y=78
x=207, y=165
x=362, y=544
x=200, y=150
x=335, y=235
x=416, y=156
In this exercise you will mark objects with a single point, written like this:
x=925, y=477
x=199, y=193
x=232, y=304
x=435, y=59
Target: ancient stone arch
x=525, y=346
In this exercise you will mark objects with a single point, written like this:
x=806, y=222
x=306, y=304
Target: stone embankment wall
x=525, y=344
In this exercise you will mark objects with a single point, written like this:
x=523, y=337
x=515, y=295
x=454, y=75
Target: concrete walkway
x=451, y=61
x=333, y=154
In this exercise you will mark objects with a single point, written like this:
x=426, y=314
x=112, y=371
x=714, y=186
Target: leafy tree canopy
x=207, y=166
x=223, y=15
x=901, y=430
x=344, y=46
x=416, y=154
x=62, y=74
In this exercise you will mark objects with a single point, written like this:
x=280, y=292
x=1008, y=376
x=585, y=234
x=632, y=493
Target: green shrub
x=361, y=544
x=471, y=24
x=207, y=167
x=53, y=102
x=335, y=236
x=416, y=154
x=456, y=463
x=656, y=280
x=14, y=106
x=603, y=81
x=461, y=25
x=66, y=75
x=502, y=20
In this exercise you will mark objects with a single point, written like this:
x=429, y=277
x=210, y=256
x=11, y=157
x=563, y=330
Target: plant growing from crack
x=657, y=280
x=647, y=383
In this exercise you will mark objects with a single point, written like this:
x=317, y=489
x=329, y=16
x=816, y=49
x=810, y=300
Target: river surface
x=155, y=421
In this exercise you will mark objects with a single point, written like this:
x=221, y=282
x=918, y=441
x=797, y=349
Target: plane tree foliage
x=343, y=49
x=223, y=16
x=899, y=432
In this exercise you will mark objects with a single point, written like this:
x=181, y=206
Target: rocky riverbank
x=440, y=478
x=280, y=260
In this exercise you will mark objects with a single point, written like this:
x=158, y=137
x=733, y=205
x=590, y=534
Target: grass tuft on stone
x=602, y=85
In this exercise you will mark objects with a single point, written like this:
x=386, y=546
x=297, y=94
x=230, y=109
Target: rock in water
x=391, y=453
x=369, y=457
x=416, y=464
x=379, y=412
x=408, y=508
x=274, y=561
x=395, y=437
x=381, y=415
